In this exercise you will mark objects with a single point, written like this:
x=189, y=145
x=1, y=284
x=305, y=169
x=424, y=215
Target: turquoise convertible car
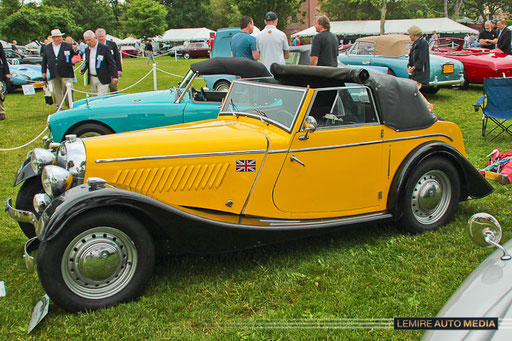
x=392, y=50
x=126, y=112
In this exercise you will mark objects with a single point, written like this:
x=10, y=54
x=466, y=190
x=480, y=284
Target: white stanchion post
x=70, y=95
x=154, y=77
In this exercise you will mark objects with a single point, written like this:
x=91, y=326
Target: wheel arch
x=81, y=123
x=472, y=183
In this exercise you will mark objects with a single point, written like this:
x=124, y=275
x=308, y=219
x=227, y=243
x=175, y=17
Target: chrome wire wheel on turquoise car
x=431, y=195
x=99, y=262
x=99, y=259
x=89, y=130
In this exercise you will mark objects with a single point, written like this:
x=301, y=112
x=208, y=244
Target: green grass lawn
x=368, y=272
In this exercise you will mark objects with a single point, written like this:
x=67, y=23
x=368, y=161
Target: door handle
x=366, y=62
x=294, y=158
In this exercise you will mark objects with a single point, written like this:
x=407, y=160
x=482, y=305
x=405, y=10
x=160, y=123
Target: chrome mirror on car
x=485, y=230
x=310, y=125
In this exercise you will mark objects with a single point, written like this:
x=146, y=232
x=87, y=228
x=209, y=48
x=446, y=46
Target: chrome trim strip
x=277, y=151
x=368, y=143
x=256, y=179
x=335, y=220
x=180, y=156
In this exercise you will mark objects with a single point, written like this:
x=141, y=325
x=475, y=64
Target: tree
x=487, y=9
x=88, y=14
x=146, y=18
x=186, y=13
x=35, y=22
x=224, y=14
x=8, y=7
x=258, y=8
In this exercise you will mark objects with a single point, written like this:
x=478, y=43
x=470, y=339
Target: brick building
x=312, y=9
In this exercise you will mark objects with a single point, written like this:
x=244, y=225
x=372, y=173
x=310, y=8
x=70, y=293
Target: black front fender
x=473, y=184
x=25, y=172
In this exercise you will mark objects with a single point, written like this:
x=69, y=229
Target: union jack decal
x=246, y=165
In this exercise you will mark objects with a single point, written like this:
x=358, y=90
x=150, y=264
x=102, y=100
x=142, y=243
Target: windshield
x=277, y=105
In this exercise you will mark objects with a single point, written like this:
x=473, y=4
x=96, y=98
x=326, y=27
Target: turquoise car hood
x=159, y=96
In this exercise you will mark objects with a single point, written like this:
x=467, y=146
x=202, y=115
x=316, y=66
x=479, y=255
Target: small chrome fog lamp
x=56, y=180
x=41, y=202
x=41, y=157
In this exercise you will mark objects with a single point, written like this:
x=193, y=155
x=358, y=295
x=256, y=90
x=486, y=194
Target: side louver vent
x=180, y=178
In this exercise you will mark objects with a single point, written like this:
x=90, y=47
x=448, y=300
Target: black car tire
x=90, y=129
x=186, y=55
x=100, y=259
x=421, y=211
x=221, y=86
x=24, y=201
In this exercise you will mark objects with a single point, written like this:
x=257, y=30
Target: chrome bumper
x=19, y=215
x=437, y=83
x=25, y=217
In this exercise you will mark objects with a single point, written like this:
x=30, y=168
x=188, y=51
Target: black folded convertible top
x=242, y=67
x=401, y=105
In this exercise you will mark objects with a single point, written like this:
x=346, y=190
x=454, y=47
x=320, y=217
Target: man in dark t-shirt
x=487, y=36
x=324, y=48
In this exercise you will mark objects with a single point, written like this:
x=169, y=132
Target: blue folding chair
x=496, y=106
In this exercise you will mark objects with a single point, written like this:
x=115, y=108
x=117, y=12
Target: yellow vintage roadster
x=310, y=150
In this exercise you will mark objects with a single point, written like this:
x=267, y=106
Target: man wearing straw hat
x=57, y=59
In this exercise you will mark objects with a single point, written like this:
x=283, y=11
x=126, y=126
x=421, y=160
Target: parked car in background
x=194, y=50
x=25, y=74
x=478, y=63
x=18, y=58
x=486, y=291
x=246, y=178
x=128, y=51
x=175, y=50
x=392, y=50
x=299, y=55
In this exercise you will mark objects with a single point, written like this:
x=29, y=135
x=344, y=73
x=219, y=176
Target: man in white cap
x=272, y=43
x=57, y=59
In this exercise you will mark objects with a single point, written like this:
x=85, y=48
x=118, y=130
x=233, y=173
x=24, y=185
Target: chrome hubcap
x=431, y=197
x=99, y=263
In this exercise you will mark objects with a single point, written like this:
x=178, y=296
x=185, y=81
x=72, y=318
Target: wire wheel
x=99, y=263
x=431, y=197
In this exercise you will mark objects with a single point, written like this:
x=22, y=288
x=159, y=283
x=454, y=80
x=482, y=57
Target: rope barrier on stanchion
x=115, y=92
x=172, y=74
x=45, y=129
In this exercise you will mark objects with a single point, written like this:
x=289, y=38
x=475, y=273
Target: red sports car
x=478, y=63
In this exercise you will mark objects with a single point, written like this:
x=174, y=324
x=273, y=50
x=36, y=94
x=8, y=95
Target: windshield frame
x=261, y=117
x=184, y=85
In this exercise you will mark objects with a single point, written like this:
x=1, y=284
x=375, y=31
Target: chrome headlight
x=41, y=157
x=56, y=180
x=41, y=202
x=71, y=156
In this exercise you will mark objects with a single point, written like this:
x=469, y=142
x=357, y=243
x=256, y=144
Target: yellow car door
x=338, y=169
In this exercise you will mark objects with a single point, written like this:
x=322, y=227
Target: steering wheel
x=203, y=93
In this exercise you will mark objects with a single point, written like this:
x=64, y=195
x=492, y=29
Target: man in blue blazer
x=101, y=36
x=100, y=63
x=57, y=59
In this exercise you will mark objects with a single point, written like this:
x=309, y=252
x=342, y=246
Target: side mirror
x=310, y=125
x=485, y=230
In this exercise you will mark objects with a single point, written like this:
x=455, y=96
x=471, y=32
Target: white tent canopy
x=128, y=41
x=114, y=39
x=396, y=26
x=184, y=34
